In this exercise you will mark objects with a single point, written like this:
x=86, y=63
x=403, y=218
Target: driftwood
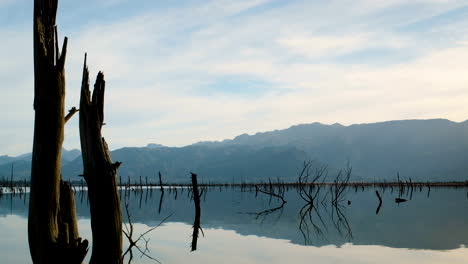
x=100, y=174
x=52, y=226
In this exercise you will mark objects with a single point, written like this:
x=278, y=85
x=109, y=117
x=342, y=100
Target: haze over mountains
x=435, y=150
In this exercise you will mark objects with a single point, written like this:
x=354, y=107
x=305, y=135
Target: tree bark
x=52, y=229
x=100, y=174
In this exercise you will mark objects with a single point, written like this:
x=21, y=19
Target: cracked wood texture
x=52, y=226
x=100, y=174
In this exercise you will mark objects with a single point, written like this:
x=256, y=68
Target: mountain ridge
x=421, y=149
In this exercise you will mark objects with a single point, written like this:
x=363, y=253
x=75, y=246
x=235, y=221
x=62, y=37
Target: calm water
x=240, y=226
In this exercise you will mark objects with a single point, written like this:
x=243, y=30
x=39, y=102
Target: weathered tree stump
x=100, y=174
x=52, y=229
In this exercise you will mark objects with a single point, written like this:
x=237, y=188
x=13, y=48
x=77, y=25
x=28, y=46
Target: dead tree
x=100, y=174
x=160, y=183
x=133, y=243
x=162, y=193
x=196, y=222
x=52, y=226
x=308, y=187
x=340, y=184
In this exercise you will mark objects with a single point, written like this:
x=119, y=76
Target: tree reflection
x=315, y=219
x=271, y=193
x=307, y=224
x=133, y=243
x=196, y=223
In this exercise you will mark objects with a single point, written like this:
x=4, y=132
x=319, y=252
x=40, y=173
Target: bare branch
x=71, y=112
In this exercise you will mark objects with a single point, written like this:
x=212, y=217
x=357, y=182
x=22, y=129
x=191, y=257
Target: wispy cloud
x=208, y=70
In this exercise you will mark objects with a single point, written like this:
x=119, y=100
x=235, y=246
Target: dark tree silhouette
x=162, y=193
x=100, y=174
x=52, y=226
x=196, y=222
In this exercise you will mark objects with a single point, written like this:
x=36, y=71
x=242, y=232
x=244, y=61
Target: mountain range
x=423, y=150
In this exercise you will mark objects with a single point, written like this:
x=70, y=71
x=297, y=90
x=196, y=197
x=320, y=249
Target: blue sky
x=179, y=72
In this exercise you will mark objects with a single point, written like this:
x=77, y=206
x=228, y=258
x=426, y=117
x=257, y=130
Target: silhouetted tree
x=196, y=222
x=52, y=226
x=100, y=174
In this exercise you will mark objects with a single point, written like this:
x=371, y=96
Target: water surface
x=240, y=226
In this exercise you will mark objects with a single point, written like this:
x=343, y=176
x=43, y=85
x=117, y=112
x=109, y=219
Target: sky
x=182, y=71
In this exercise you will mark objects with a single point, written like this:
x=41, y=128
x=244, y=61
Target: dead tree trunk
x=160, y=183
x=52, y=226
x=100, y=174
x=162, y=193
x=196, y=222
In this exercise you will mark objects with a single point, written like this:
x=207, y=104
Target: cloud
x=166, y=68
x=313, y=47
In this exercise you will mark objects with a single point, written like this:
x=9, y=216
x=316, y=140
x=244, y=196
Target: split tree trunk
x=52, y=227
x=100, y=174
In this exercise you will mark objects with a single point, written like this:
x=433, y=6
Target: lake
x=240, y=225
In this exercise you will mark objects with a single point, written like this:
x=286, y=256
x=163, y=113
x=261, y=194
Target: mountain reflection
x=437, y=221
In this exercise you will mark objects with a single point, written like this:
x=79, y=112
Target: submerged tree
x=52, y=226
x=196, y=222
x=100, y=174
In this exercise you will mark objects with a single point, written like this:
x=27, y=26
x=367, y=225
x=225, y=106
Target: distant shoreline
x=6, y=187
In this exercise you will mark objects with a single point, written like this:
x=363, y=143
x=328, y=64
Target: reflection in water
x=196, y=223
x=161, y=198
x=133, y=243
x=161, y=188
x=229, y=247
x=341, y=234
x=317, y=217
x=317, y=202
x=380, y=202
x=400, y=200
x=271, y=193
x=307, y=223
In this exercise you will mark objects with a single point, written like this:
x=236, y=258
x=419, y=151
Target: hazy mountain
x=435, y=149
x=153, y=145
x=22, y=163
x=422, y=149
x=70, y=155
x=6, y=159
x=223, y=164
